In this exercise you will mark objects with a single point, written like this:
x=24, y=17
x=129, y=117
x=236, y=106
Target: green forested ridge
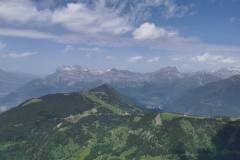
x=103, y=125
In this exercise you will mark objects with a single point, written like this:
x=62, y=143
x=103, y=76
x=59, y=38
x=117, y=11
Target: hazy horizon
x=105, y=69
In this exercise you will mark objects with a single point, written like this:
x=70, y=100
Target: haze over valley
x=163, y=90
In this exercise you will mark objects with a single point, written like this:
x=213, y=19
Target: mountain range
x=103, y=124
x=161, y=90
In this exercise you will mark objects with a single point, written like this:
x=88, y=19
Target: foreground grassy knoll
x=104, y=125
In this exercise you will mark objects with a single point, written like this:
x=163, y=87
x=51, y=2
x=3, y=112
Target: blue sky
x=140, y=35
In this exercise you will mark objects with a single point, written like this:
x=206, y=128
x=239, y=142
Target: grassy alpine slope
x=103, y=125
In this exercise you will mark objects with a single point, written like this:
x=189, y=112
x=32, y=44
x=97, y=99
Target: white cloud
x=22, y=11
x=100, y=24
x=110, y=57
x=2, y=45
x=35, y=34
x=154, y=59
x=176, y=59
x=114, y=19
x=149, y=31
x=135, y=58
x=103, y=22
x=174, y=10
x=215, y=59
x=68, y=48
x=25, y=33
x=78, y=17
x=18, y=55
x=166, y=8
x=88, y=49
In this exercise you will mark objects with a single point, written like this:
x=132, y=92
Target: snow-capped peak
x=79, y=69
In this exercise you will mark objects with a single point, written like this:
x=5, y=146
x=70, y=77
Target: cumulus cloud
x=215, y=59
x=135, y=58
x=100, y=22
x=97, y=21
x=79, y=18
x=76, y=17
x=154, y=59
x=102, y=16
x=149, y=31
x=18, y=55
x=22, y=11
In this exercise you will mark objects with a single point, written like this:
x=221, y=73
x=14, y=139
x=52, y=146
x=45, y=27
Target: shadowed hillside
x=219, y=98
x=103, y=124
